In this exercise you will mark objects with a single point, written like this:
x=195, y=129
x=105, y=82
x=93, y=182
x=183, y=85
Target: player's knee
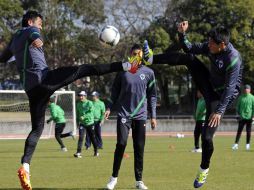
x=207, y=139
x=57, y=136
x=121, y=144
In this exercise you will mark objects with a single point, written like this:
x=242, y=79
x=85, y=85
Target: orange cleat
x=135, y=61
x=134, y=69
x=24, y=179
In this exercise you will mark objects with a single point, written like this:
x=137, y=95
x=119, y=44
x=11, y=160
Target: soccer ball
x=109, y=35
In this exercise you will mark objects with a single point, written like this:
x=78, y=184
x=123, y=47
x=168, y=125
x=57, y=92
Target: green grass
x=168, y=165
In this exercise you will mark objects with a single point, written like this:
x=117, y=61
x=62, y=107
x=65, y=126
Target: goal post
x=15, y=120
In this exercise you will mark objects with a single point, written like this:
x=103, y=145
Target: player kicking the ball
x=219, y=86
x=40, y=83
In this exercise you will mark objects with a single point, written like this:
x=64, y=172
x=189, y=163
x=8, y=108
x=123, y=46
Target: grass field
x=168, y=165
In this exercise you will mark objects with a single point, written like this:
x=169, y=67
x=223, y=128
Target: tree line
x=71, y=29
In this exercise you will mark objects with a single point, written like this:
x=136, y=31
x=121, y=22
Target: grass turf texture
x=168, y=165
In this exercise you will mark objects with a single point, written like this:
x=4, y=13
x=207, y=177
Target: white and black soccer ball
x=109, y=35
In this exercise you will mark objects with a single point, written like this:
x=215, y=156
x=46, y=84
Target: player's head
x=32, y=18
x=95, y=95
x=136, y=49
x=247, y=88
x=218, y=39
x=51, y=100
x=82, y=96
x=136, y=54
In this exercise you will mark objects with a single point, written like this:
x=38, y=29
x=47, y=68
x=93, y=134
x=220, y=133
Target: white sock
x=126, y=66
x=114, y=178
x=26, y=167
x=204, y=170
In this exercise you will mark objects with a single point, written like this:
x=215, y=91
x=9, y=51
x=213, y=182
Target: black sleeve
x=194, y=48
x=6, y=54
x=152, y=97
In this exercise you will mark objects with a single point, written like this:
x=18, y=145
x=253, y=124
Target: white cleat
x=247, y=146
x=140, y=185
x=196, y=150
x=112, y=183
x=235, y=147
x=77, y=155
x=64, y=149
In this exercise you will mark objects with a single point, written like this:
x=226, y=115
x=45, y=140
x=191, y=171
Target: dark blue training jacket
x=134, y=94
x=226, y=70
x=30, y=61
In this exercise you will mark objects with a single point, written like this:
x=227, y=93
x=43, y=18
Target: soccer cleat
x=64, y=149
x=135, y=61
x=148, y=54
x=235, y=147
x=196, y=150
x=132, y=68
x=247, y=146
x=77, y=155
x=24, y=179
x=140, y=185
x=96, y=154
x=200, y=178
x=112, y=183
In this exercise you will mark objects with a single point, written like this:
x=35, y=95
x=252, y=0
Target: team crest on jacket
x=220, y=64
x=123, y=120
x=142, y=76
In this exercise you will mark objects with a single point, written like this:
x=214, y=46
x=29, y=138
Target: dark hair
x=220, y=34
x=136, y=46
x=30, y=15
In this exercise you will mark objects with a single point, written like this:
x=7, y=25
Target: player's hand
x=102, y=122
x=182, y=26
x=153, y=124
x=214, y=120
x=37, y=43
x=106, y=115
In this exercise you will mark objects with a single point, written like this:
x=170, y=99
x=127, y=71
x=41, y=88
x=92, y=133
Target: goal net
x=15, y=120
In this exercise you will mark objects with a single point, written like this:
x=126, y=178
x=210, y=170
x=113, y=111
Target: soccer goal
x=15, y=120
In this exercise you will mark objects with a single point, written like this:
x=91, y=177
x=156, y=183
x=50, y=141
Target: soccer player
x=57, y=115
x=40, y=83
x=245, y=110
x=200, y=121
x=220, y=85
x=99, y=111
x=85, y=120
x=133, y=97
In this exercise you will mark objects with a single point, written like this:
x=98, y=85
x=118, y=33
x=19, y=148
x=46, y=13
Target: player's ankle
x=26, y=167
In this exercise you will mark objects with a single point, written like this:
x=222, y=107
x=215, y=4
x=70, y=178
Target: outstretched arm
x=6, y=54
x=188, y=47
